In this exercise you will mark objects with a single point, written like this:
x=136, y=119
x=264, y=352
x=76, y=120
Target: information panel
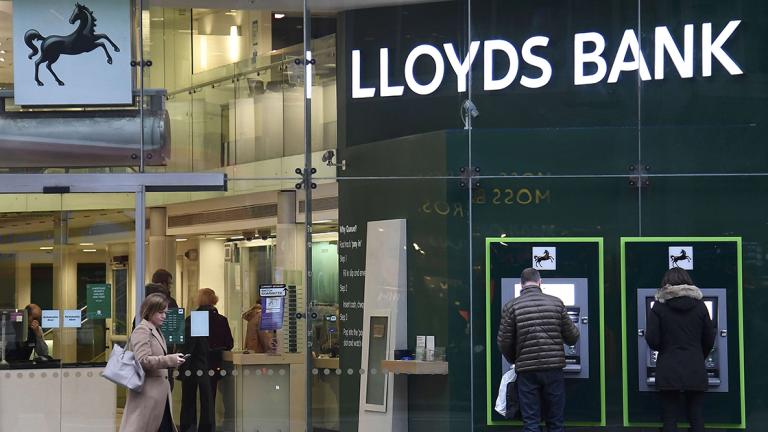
x=174, y=326
x=99, y=301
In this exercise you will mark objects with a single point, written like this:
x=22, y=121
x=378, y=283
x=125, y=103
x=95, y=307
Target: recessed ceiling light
x=46, y=247
x=2, y=51
x=181, y=239
x=220, y=238
x=239, y=237
x=89, y=250
x=279, y=15
x=2, y=59
x=86, y=244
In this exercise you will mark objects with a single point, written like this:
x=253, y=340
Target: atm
x=716, y=362
x=573, y=292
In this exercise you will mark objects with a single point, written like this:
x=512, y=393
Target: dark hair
x=529, y=275
x=676, y=276
x=155, y=288
x=162, y=277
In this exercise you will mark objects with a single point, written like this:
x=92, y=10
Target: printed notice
x=51, y=319
x=72, y=318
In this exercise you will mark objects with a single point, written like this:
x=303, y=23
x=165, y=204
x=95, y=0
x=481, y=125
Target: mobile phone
x=187, y=356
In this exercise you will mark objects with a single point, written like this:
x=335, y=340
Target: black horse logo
x=682, y=257
x=545, y=257
x=84, y=39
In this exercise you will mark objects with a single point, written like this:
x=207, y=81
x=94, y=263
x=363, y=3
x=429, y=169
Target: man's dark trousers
x=537, y=388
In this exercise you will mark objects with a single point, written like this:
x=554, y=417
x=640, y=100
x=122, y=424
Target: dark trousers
x=167, y=423
x=542, y=389
x=189, y=391
x=672, y=404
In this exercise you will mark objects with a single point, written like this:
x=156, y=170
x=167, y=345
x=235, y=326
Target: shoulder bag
x=124, y=369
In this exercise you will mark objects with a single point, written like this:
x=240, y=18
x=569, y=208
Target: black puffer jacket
x=680, y=329
x=533, y=329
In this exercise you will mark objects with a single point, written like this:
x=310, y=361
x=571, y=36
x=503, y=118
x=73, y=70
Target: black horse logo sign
x=538, y=259
x=84, y=39
x=683, y=256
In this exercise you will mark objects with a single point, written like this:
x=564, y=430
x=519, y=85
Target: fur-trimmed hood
x=674, y=291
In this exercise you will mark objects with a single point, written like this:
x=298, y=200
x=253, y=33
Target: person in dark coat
x=680, y=329
x=533, y=329
x=202, y=372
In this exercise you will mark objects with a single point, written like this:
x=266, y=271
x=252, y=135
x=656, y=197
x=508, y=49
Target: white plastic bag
x=501, y=401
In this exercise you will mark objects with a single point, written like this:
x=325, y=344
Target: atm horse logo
x=683, y=256
x=538, y=259
x=84, y=39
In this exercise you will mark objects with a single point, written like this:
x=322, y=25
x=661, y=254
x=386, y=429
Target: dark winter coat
x=206, y=351
x=533, y=329
x=680, y=329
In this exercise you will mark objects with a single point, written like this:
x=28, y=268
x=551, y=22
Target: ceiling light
x=2, y=59
x=89, y=250
x=220, y=238
x=158, y=19
x=2, y=51
x=86, y=244
x=46, y=247
x=237, y=237
x=181, y=239
x=279, y=15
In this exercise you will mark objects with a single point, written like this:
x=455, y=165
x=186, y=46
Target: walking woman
x=150, y=409
x=681, y=330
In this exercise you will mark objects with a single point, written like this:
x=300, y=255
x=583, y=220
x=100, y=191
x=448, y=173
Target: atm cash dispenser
x=716, y=362
x=573, y=293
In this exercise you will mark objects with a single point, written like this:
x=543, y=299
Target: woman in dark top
x=202, y=371
x=681, y=330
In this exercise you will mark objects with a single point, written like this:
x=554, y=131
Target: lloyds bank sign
x=591, y=63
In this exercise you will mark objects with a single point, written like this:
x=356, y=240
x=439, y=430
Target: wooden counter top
x=414, y=367
x=326, y=363
x=240, y=358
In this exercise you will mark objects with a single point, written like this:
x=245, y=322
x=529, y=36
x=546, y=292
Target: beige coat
x=144, y=410
x=256, y=341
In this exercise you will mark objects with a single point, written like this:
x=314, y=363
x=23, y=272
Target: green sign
x=99, y=301
x=173, y=327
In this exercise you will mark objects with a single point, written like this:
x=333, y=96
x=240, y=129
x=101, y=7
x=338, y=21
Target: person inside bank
x=35, y=344
x=150, y=410
x=680, y=329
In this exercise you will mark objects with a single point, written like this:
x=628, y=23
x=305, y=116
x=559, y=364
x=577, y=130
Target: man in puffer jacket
x=533, y=329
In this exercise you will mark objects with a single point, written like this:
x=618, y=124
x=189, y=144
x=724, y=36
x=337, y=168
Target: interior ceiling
x=284, y=5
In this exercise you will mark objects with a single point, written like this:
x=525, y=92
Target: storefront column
x=289, y=262
x=65, y=287
x=162, y=248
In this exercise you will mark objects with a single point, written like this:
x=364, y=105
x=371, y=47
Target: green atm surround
x=645, y=410
x=594, y=247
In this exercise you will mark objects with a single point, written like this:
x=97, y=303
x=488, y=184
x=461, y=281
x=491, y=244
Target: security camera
x=470, y=108
x=328, y=157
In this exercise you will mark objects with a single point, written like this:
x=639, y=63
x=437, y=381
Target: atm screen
x=709, y=304
x=565, y=292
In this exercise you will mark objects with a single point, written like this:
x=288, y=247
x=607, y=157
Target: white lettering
x=461, y=68
x=410, y=79
x=711, y=48
x=357, y=91
x=580, y=57
x=539, y=62
x=489, y=83
x=664, y=42
x=386, y=90
x=620, y=64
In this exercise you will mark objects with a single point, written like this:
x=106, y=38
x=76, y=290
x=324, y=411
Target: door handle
x=640, y=332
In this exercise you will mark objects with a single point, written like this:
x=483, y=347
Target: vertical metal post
x=470, y=238
x=141, y=90
x=139, y=261
x=308, y=200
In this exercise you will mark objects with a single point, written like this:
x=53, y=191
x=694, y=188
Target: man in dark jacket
x=533, y=329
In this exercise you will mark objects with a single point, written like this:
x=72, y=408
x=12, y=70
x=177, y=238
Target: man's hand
x=35, y=326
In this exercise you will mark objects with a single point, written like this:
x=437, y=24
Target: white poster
x=72, y=318
x=681, y=256
x=69, y=53
x=51, y=319
x=544, y=258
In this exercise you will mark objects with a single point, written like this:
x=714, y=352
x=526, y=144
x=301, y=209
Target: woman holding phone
x=150, y=409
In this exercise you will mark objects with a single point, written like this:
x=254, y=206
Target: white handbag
x=123, y=369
